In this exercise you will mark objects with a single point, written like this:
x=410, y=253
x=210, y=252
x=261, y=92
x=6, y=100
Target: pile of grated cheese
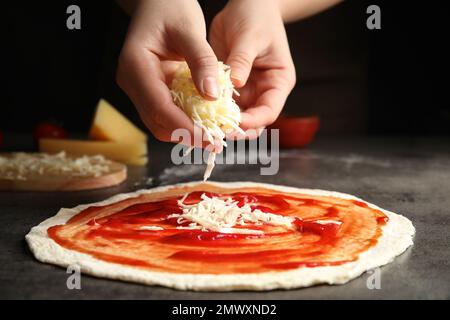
x=21, y=166
x=221, y=215
x=217, y=117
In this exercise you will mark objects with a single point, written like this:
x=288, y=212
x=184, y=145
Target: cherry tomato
x=48, y=130
x=296, y=132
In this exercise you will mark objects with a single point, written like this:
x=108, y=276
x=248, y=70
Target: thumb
x=240, y=59
x=203, y=65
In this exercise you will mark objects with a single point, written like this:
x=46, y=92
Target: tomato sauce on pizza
x=328, y=231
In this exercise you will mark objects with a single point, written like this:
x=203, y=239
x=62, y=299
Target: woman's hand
x=249, y=36
x=163, y=32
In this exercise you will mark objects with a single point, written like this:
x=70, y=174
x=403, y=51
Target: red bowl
x=296, y=132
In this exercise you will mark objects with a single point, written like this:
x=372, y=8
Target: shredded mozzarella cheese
x=216, y=117
x=222, y=215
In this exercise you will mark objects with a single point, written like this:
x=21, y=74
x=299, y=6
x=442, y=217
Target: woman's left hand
x=249, y=35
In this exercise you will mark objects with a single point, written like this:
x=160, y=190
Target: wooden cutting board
x=36, y=182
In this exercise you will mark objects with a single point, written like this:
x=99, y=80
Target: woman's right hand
x=160, y=34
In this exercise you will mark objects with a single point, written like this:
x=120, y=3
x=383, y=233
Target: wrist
x=292, y=10
x=274, y=6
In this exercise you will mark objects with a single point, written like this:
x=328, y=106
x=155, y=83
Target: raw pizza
x=224, y=236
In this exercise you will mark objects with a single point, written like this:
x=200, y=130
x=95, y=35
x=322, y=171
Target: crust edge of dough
x=396, y=238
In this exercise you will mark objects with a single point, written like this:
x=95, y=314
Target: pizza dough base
x=395, y=239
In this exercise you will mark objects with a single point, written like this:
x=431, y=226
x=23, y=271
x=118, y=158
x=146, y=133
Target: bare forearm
x=293, y=10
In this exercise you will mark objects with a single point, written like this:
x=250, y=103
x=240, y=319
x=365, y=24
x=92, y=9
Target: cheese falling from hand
x=222, y=215
x=216, y=117
x=22, y=165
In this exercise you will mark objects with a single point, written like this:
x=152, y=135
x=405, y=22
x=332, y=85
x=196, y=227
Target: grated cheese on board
x=20, y=165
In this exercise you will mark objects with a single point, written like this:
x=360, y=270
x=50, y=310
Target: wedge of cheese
x=133, y=153
x=110, y=125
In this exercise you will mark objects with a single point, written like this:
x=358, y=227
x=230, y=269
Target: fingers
x=241, y=58
x=202, y=62
x=259, y=116
x=139, y=75
x=250, y=134
x=270, y=94
x=266, y=111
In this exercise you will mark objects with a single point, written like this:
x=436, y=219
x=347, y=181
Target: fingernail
x=235, y=77
x=210, y=87
x=237, y=81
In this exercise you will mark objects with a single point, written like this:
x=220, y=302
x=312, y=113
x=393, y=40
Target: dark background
x=359, y=81
x=375, y=84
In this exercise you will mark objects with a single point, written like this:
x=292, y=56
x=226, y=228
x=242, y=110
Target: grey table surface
x=410, y=176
